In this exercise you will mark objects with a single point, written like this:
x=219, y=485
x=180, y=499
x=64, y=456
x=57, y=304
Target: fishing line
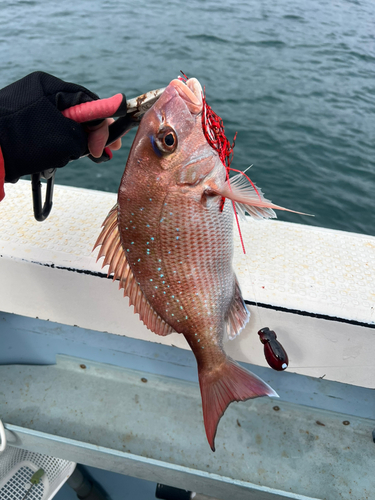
x=250, y=277
x=247, y=260
x=274, y=352
x=213, y=129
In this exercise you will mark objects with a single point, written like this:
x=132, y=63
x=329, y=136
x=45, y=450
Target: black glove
x=34, y=135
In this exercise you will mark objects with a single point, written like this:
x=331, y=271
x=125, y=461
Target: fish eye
x=169, y=140
x=166, y=140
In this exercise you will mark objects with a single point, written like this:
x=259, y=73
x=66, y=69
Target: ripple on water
x=295, y=79
x=208, y=38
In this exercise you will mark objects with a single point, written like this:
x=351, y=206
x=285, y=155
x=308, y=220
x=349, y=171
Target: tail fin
x=220, y=387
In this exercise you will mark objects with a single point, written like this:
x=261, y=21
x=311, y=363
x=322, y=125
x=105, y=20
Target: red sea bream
x=169, y=241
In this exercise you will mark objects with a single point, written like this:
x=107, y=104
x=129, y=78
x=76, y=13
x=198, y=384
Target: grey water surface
x=294, y=78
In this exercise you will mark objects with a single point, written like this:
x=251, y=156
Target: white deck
x=290, y=267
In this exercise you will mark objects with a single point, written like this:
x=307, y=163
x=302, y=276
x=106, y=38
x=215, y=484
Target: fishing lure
x=274, y=352
x=213, y=129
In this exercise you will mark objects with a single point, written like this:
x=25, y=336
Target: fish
x=169, y=242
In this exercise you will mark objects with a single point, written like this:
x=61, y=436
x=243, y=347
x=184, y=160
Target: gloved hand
x=34, y=134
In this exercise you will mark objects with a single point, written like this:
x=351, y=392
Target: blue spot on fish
x=154, y=147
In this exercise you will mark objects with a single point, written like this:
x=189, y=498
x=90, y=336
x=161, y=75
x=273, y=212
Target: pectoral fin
x=249, y=198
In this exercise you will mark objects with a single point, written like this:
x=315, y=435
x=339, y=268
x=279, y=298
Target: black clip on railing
x=42, y=212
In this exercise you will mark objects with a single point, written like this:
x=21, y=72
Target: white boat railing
x=315, y=287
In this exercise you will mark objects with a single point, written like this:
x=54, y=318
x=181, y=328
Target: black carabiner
x=41, y=213
x=116, y=130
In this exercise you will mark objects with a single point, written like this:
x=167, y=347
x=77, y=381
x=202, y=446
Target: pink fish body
x=169, y=241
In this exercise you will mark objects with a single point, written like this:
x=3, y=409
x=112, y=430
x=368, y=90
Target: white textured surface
x=66, y=238
x=290, y=266
x=309, y=269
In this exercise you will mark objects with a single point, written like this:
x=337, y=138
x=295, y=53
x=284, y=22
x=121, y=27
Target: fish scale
x=175, y=260
x=198, y=278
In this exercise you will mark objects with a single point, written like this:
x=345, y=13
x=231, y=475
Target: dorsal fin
x=114, y=256
x=238, y=314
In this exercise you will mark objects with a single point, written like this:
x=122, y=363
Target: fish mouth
x=191, y=92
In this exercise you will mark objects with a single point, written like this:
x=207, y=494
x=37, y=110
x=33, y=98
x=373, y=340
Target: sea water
x=294, y=78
